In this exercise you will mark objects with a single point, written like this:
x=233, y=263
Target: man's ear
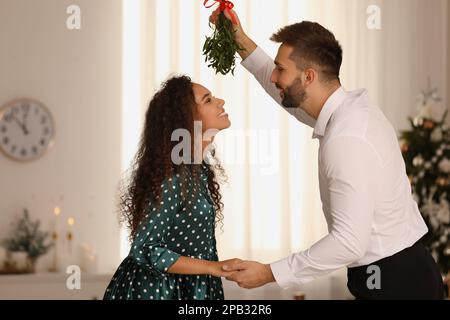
x=309, y=76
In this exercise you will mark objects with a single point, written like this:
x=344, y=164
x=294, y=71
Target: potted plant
x=29, y=239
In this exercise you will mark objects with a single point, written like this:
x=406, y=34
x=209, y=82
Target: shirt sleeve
x=150, y=245
x=261, y=66
x=350, y=165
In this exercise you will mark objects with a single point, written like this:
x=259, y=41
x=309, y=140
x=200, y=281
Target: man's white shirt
x=365, y=192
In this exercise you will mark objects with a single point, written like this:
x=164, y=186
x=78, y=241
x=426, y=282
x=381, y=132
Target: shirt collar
x=332, y=103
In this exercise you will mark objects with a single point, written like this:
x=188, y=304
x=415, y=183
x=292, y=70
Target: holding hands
x=248, y=274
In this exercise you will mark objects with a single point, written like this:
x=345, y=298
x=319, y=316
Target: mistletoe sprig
x=220, y=49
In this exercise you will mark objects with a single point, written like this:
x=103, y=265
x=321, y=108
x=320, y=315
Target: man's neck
x=322, y=98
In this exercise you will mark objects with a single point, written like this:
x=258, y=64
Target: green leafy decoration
x=220, y=49
x=27, y=237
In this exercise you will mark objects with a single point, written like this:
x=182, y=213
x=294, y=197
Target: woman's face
x=209, y=110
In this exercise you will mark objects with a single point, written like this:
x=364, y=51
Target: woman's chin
x=228, y=124
x=225, y=124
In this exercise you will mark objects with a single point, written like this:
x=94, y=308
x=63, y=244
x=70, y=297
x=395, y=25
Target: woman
x=172, y=209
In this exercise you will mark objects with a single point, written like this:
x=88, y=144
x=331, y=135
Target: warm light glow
x=255, y=227
x=57, y=211
x=131, y=80
x=71, y=221
x=131, y=90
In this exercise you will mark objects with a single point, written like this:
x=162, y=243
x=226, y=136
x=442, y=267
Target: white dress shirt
x=365, y=192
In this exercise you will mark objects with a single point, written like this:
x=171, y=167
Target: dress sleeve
x=149, y=248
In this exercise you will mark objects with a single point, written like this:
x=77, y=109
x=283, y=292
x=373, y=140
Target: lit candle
x=56, y=213
x=55, y=236
x=70, y=222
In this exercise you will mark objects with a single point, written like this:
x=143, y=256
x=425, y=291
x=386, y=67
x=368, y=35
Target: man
x=374, y=224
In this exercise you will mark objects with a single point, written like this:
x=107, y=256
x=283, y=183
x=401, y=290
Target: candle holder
x=55, y=264
x=55, y=237
x=69, y=238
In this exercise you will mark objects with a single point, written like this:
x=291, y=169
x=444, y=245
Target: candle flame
x=57, y=211
x=71, y=221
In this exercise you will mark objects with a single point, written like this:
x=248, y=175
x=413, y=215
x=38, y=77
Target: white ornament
x=436, y=135
x=418, y=161
x=418, y=121
x=443, y=214
x=429, y=106
x=444, y=165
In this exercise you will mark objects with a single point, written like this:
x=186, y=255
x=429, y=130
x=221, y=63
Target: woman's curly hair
x=171, y=108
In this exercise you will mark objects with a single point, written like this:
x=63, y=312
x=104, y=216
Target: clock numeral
x=46, y=131
x=13, y=149
x=43, y=119
x=23, y=152
x=42, y=142
x=5, y=140
x=25, y=107
x=34, y=149
x=9, y=116
x=3, y=129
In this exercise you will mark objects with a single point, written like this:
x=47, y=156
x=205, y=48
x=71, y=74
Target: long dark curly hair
x=171, y=108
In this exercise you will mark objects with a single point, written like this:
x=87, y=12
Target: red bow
x=224, y=5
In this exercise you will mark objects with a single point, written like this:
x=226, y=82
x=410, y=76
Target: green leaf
x=220, y=49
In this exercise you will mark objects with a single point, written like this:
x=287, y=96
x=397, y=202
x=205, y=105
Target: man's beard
x=294, y=96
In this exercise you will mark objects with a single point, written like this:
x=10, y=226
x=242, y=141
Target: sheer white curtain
x=271, y=200
x=272, y=205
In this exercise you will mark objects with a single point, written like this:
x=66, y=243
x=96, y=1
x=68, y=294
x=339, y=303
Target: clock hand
x=25, y=117
x=25, y=131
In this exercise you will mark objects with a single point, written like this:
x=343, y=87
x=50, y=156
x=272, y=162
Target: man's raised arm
x=258, y=63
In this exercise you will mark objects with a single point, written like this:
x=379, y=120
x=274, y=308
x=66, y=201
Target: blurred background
x=92, y=66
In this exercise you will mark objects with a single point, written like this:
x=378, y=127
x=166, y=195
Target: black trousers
x=409, y=274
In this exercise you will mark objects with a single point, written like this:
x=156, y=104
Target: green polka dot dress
x=178, y=226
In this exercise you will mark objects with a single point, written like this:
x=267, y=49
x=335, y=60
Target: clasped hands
x=247, y=274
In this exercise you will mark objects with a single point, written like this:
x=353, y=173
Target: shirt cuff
x=256, y=60
x=283, y=274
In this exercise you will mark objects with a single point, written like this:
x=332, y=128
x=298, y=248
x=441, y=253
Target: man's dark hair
x=313, y=45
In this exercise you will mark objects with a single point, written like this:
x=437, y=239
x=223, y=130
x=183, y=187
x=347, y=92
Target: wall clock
x=27, y=129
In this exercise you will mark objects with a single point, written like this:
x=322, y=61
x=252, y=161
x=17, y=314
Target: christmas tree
x=426, y=151
x=27, y=237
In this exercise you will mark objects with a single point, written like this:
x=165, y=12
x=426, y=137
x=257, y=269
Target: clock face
x=26, y=129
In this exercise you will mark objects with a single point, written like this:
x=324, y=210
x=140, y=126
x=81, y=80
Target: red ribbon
x=224, y=5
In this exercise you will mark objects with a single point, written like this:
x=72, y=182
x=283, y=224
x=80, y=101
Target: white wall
x=395, y=62
x=447, y=66
x=77, y=75
x=415, y=51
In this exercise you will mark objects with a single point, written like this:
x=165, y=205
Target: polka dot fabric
x=181, y=225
